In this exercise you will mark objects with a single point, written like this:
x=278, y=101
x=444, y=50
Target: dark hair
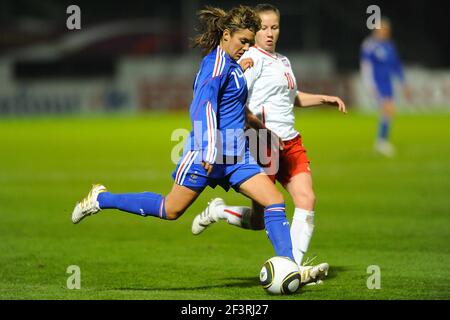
x=213, y=21
x=263, y=7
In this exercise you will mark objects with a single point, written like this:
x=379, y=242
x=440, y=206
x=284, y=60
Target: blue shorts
x=230, y=172
x=384, y=90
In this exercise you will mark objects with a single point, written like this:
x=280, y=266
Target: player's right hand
x=335, y=101
x=246, y=63
x=407, y=91
x=208, y=167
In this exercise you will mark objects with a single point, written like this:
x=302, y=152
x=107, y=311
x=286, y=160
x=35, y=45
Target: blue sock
x=144, y=203
x=383, y=129
x=277, y=229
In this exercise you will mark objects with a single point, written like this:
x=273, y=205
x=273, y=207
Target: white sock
x=302, y=228
x=236, y=215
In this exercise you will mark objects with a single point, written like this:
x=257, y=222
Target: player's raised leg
x=144, y=204
x=261, y=189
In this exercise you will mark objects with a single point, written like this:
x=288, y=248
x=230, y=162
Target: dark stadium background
x=420, y=27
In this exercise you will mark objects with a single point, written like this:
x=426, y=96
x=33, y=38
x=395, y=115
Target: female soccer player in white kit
x=272, y=96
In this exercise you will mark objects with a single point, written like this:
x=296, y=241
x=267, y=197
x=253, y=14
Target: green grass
x=394, y=213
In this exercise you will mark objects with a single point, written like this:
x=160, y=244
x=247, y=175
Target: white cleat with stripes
x=89, y=205
x=207, y=217
x=313, y=275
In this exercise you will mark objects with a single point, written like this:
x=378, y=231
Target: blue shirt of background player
x=217, y=109
x=385, y=63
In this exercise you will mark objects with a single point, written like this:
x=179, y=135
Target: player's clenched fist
x=246, y=63
x=208, y=167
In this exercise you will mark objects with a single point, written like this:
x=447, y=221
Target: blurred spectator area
x=136, y=54
x=37, y=29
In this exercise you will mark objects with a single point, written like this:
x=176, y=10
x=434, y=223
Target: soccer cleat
x=313, y=274
x=314, y=283
x=322, y=271
x=307, y=274
x=384, y=148
x=207, y=217
x=89, y=205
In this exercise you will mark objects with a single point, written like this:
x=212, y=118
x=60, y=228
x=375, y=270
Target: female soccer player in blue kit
x=379, y=63
x=218, y=108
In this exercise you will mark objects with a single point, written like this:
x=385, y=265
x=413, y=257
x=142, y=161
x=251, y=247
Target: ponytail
x=213, y=21
x=211, y=28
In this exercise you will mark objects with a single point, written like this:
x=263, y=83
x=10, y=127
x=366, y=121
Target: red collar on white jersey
x=265, y=52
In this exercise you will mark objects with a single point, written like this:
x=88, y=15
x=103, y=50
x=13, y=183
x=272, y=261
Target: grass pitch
x=393, y=213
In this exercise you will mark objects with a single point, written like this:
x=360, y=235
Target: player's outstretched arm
x=335, y=101
x=309, y=100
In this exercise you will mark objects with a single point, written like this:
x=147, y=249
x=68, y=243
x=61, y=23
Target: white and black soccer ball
x=280, y=275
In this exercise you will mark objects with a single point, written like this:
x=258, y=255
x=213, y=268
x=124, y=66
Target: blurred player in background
x=220, y=95
x=272, y=96
x=379, y=63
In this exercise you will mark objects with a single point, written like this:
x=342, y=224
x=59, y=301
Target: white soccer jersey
x=271, y=91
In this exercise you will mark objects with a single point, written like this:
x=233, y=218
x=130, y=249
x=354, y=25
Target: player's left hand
x=208, y=167
x=335, y=101
x=246, y=63
x=407, y=91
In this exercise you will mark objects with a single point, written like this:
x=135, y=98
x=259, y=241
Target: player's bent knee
x=173, y=213
x=312, y=198
x=275, y=199
x=305, y=200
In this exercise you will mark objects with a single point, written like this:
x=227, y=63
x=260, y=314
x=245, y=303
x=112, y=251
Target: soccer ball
x=280, y=275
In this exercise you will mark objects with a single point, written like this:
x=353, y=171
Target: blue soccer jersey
x=381, y=63
x=217, y=110
x=217, y=115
